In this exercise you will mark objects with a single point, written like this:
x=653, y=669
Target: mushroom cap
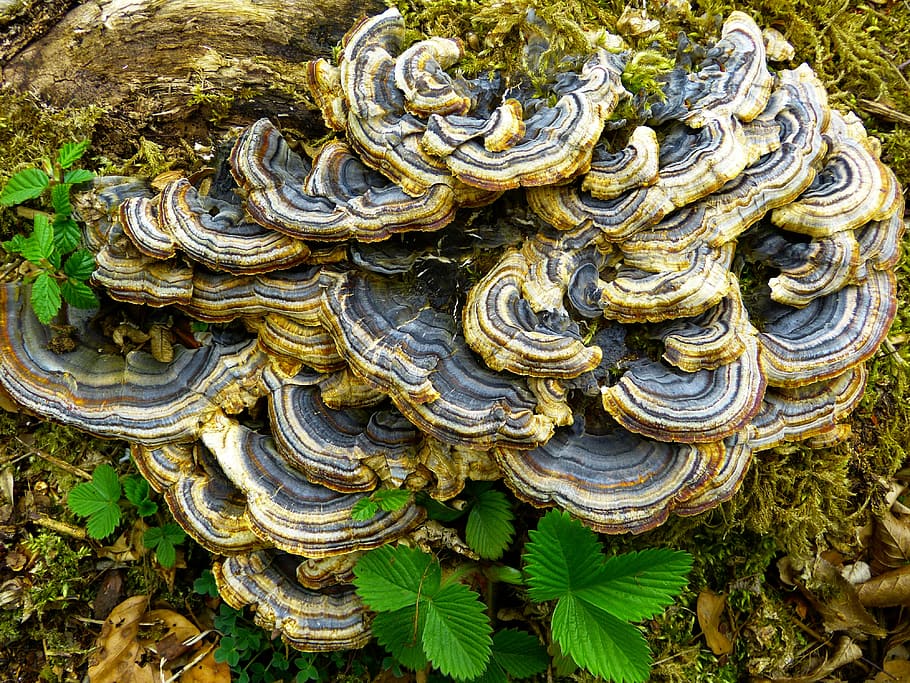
x=829, y=335
x=668, y=404
x=500, y=326
x=288, y=511
x=616, y=482
x=131, y=397
x=307, y=619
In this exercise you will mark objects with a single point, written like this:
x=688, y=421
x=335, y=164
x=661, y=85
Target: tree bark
x=174, y=63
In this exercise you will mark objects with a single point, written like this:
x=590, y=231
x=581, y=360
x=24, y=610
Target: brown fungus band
x=458, y=285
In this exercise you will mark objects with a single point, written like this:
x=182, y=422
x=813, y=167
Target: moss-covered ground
x=796, y=504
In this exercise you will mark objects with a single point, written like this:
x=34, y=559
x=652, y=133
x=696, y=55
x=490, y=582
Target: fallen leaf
x=119, y=655
x=891, y=543
x=887, y=590
x=179, y=629
x=845, y=652
x=110, y=593
x=893, y=670
x=207, y=670
x=841, y=609
x=128, y=547
x=710, y=610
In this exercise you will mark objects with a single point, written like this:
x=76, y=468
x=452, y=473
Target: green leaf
x=78, y=294
x=15, y=245
x=77, y=176
x=40, y=244
x=205, y=584
x=45, y=298
x=519, y=653
x=364, y=509
x=66, y=234
x=436, y=510
x=60, y=199
x=71, y=152
x=489, y=530
x=391, y=500
x=136, y=489
x=638, y=585
x=562, y=556
x=80, y=265
x=399, y=633
x=456, y=632
x=391, y=578
x=98, y=500
x=164, y=540
x=601, y=643
x=23, y=186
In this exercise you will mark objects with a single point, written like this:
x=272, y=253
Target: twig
x=57, y=462
x=60, y=527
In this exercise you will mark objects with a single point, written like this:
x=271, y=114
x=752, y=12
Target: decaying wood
x=152, y=61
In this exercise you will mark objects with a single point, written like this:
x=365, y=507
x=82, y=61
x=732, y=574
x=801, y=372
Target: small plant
x=60, y=270
x=597, y=596
x=425, y=619
x=251, y=656
x=100, y=501
x=388, y=500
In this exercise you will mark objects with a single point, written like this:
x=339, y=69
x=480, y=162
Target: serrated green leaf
x=66, y=234
x=146, y=508
x=97, y=500
x=456, y=631
x=77, y=176
x=60, y=199
x=519, y=653
x=80, y=264
x=15, y=245
x=166, y=554
x=136, y=489
x=23, y=186
x=599, y=642
x=436, y=510
x=71, y=152
x=562, y=557
x=399, y=633
x=638, y=585
x=174, y=533
x=492, y=674
x=391, y=578
x=391, y=500
x=40, y=244
x=78, y=294
x=489, y=529
x=45, y=298
x=364, y=509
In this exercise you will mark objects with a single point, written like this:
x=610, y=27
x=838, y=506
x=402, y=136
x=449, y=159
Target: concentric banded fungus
x=401, y=343
x=409, y=351
x=288, y=511
x=209, y=231
x=615, y=482
x=689, y=407
x=499, y=325
x=309, y=620
x=133, y=397
x=338, y=198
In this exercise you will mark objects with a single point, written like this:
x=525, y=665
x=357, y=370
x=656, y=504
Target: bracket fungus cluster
x=477, y=280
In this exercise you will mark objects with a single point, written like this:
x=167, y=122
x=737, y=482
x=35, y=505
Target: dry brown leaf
x=891, y=543
x=207, y=670
x=892, y=671
x=128, y=547
x=887, y=590
x=710, y=610
x=841, y=609
x=119, y=653
x=845, y=652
